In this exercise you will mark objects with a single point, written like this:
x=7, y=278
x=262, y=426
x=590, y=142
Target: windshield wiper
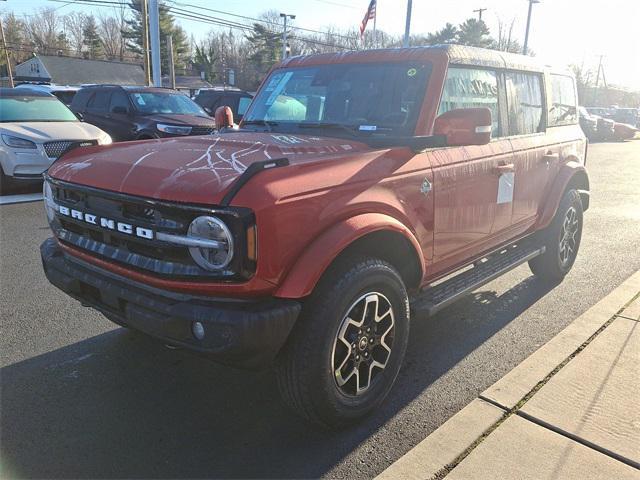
x=266, y=123
x=351, y=129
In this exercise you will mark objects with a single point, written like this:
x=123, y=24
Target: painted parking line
x=26, y=197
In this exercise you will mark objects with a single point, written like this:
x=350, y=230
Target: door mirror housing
x=224, y=117
x=464, y=126
x=79, y=116
x=120, y=110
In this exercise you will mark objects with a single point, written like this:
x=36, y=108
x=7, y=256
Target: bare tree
x=110, y=31
x=44, y=30
x=74, y=24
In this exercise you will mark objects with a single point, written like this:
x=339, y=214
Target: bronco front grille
x=152, y=255
x=57, y=148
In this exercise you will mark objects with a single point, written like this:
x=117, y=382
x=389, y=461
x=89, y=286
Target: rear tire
x=561, y=239
x=346, y=350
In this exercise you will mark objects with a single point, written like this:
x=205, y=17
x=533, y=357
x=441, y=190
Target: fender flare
x=571, y=171
x=317, y=257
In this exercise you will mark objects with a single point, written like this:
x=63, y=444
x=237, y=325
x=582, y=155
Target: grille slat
x=202, y=130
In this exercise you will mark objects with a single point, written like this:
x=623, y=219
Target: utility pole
x=407, y=26
x=480, y=10
x=526, y=34
x=284, y=33
x=154, y=30
x=6, y=55
x=145, y=42
x=172, y=68
x=595, y=90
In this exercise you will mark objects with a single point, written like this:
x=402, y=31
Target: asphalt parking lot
x=81, y=397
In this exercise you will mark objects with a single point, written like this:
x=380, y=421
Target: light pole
x=526, y=34
x=154, y=34
x=407, y=25
x=284, y=33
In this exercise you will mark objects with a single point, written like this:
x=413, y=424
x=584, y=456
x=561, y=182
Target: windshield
x=148, y=103
x=34, y=109
x=373, y=98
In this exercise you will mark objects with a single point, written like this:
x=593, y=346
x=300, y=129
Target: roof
x=21, y=92
x=456, y=54
x=78, y=71
x=48, y=88
x=186, y=81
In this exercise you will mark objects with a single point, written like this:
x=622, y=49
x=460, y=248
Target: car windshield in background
x=149, y=103
x=373, y=98
x=34, y=109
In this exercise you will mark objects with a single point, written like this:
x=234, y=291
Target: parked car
x=600, y=111
x=630, y=116
x=624, y=131
x=606, y=128
x=310, y=242
x=212, y=98
x=64, y=93
x=139, y=113
x=36, y=128
x=589, y=124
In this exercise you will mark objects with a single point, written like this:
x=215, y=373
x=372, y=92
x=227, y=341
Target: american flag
x=370, y=15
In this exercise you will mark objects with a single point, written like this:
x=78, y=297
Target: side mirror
x=464, y=126
x=79, y=116
x=224, y=117
x=208, y=110
x=120, y=110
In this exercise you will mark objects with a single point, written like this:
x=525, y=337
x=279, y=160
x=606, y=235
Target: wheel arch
x=572, y=175
x=373, y=234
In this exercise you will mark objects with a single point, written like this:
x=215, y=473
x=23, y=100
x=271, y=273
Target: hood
x=189, y=169
x=40, y=132
x=175, y=119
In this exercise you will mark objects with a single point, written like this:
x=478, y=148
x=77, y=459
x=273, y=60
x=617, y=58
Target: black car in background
x=212, y=98
x=137, y=113
x=588, y=123
x=630, y=116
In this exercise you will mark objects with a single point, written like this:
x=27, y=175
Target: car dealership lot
x=83, y=398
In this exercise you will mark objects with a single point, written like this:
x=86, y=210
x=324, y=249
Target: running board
x=434, y=299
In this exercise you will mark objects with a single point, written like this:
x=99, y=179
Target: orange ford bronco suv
x=360, y=190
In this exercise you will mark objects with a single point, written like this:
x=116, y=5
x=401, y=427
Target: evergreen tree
x=266, y=47
x=91, y=41
x=448, y=34
x=133, y=35
x=474, y=33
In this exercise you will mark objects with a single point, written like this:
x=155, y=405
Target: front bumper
x=240, y=333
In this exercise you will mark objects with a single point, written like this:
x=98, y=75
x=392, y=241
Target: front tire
x=346, y=350
x=561, y=239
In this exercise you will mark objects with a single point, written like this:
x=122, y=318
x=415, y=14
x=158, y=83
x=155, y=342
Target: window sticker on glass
x=412, y=72
x=367, y=128
x=139, y=99
x=279, y=87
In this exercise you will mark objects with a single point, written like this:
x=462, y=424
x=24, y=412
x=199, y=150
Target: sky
x=562, y=31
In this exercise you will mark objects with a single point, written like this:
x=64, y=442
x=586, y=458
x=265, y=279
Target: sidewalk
x=569, y=411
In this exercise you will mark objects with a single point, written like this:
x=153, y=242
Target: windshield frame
x=342, y=129
x=38, y=98
x=201, y=113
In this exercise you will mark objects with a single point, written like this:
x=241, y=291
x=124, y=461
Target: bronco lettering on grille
x=106, y=223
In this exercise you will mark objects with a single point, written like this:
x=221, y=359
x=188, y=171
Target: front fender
x=317, y=257
x=571, y=173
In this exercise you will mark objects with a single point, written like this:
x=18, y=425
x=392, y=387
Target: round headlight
x=49, y=204
x=211, y=228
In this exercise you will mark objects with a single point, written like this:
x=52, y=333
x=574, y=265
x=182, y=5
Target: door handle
x=506, y=168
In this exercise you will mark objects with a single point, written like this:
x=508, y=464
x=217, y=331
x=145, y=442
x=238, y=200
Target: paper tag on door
x=505, y=187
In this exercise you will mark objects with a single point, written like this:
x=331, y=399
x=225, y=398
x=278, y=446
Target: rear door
x=97, y=109
x=118, y=122
x=469, y=208
x=535, y=156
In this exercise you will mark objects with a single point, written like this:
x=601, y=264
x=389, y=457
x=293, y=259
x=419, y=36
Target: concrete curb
x=452, y=441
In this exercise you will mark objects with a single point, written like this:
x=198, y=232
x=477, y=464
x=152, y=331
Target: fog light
x=198, y=330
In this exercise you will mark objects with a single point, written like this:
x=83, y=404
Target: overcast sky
x=562, y=31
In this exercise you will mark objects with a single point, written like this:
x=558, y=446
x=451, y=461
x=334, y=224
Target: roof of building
x=22, y=92
x=79, y=71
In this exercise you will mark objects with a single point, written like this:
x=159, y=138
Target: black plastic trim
x=251, y=171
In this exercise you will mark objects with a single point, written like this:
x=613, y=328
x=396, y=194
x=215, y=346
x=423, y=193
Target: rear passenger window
x=99, y=101
x=524, y=103
x=472, y=88
x=563, y=110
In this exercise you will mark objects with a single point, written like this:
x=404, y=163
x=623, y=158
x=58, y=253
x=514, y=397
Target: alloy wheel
x=363, y=344
x=568, y=240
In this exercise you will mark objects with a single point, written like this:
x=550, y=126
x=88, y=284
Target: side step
x=434, y=299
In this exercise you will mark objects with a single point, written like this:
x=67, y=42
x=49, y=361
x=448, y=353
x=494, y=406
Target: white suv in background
x=35, y=129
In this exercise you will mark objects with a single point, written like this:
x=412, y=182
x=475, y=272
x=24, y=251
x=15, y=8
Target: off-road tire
x=304, y=367
x=550, y=265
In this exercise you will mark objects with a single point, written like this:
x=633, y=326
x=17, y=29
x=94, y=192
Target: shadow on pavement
x=121, y=405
